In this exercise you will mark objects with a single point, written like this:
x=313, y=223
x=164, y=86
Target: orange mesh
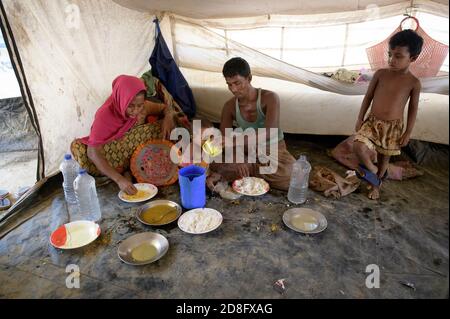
x=427, y=64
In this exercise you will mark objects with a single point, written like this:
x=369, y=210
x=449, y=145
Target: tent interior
x=58, y=61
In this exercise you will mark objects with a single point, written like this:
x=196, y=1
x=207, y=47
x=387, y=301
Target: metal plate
x=75, y=234
x=238, y=186
x=305, y=220
x=195, y=214
x=155, y=241
x=154, y=203
x=145, y=192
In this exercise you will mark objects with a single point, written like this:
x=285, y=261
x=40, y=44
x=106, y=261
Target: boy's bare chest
x=395, y=85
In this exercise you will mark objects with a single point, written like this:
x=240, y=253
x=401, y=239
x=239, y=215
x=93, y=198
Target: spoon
x=163, y=215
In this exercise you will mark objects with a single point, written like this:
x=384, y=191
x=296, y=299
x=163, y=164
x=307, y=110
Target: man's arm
x=226, y=120
x=412, y=113
x=96, y=156
x=367, y=99
x=272, y=114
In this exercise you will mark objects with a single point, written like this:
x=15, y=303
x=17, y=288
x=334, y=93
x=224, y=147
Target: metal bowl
x=154, y=203
x=305, y=220
x=158, y=241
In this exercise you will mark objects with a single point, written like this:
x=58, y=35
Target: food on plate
x=159, y=214
x=251, y=185
x=141, y=194
x=200, y=221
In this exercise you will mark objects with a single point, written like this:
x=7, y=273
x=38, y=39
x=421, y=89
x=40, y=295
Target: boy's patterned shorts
x=381, y=135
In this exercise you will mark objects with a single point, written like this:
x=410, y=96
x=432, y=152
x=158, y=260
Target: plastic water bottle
x=69, y=168
x=86, y=194
x=298, y=188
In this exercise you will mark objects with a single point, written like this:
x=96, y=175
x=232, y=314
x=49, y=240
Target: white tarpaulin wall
x=72, y=50
x=70, y=55
x=201, y=48
x=198, y=48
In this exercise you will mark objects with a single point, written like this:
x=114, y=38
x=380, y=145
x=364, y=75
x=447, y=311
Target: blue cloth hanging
x=167, y=71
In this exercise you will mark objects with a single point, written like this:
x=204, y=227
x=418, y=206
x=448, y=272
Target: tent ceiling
x=203, y=9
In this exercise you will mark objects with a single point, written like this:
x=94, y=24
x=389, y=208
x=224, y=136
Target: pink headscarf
x=111, y=121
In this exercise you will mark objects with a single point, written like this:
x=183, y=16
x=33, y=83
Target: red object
x=427, y=64
x=152, y=119
x=59, y=237
x=111, y=121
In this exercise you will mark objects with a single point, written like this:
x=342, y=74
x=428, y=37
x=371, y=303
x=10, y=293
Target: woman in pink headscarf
x=118, y=129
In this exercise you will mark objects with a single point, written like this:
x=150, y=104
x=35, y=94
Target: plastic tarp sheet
x=71, y=52
x=307, y=110
x=255, y=8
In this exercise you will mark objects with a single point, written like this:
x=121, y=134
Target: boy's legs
x=363, y=154
x=383, y=163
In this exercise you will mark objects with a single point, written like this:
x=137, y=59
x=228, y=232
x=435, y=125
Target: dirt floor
x=405, y=234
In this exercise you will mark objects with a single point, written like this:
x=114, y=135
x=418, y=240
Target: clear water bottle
x=69, y=168
x=298, y=188
x=86, y=194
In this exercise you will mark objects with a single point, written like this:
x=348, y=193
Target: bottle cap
x=82, y=171
x=67, y=157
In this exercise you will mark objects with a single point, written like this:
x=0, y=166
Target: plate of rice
x=251, y=186
x=200, y=221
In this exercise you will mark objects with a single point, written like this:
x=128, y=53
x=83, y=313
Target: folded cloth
x=398, y=170
x=149, y=81
x=332, y=184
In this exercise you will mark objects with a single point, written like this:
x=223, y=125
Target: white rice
x=200, y=221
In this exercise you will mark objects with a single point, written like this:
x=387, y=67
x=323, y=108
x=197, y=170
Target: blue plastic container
x=192, y=181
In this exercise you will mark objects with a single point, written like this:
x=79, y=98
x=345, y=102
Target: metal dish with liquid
x=305, y=220
x=158, y=212
x=143, y=248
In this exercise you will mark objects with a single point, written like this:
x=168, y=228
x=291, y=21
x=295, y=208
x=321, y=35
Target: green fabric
x=149, y=80
x=260, y=120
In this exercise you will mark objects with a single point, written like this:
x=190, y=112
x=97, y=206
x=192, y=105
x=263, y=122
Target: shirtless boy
x=388, y=92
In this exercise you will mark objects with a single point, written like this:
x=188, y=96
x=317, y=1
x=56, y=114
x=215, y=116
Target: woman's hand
x=126, y=186
x=168, y=124
x=358, y=125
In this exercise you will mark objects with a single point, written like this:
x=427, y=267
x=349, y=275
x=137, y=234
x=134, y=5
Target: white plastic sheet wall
x=202, y=46
x=72, y=51
x=307, y=110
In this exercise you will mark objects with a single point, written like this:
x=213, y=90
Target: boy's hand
x=358, y=125
x=404, y=140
